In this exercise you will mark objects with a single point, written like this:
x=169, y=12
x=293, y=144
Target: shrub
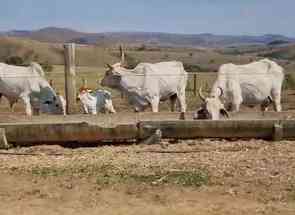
x=289, y=82
x=277, y=42
x=130, y=61
x=142, y=48
x=14, y=60
x=195, y=68
x=212, y=61
x=47, y=67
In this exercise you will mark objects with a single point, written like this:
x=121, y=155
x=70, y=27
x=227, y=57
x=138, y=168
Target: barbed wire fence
x=79, y=77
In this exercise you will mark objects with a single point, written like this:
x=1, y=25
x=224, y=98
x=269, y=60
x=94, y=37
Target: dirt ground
x=190, y=177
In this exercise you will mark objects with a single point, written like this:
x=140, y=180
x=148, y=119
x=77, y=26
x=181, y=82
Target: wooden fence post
x=84, y=83
x=195, y=84
x=70, y=77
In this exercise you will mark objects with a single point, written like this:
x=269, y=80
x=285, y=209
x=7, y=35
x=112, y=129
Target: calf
x=95, y=101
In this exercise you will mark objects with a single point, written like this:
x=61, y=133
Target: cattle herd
x=256, y=83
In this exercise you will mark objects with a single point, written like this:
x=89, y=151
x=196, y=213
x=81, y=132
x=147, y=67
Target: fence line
x=163, y=74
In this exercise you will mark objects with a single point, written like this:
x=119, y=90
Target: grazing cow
x=257, y=83
x=211, y=108
x=96, y=101
x=148, y=84
x=29, y=85
x=39, y=107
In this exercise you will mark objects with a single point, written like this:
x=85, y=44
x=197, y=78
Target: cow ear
x=224, y=113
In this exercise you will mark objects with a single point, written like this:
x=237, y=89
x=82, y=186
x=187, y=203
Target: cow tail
x=37, y=68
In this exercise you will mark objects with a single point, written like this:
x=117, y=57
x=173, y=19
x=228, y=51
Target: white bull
x=148, y=84
x=257, y=83
x=96, y=101
x=29, y=85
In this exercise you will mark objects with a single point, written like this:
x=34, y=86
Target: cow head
x=54, y=105
x=51, y=102
x=211, y=108
x=82, y=92
x=112, y=76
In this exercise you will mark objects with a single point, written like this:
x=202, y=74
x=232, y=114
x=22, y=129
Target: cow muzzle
x=202, y=114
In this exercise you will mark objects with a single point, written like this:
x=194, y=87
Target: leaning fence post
x=70, y=77
x=195, y=84
x=3, y=141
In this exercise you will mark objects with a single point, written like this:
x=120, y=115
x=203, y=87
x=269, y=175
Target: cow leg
x=173, y=100
x=11, y=104
x=155, y=104
x=277, y=101
x=85, y=109
x=28, y=107
x=236, y=107
x=237, y=101
x=36, y=111
x=109, y=106
x=182, y=102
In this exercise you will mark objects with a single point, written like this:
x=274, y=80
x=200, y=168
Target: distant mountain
x=49, y=34
x=62, y=35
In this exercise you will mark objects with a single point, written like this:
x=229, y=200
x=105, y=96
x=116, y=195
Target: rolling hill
x=62, y=35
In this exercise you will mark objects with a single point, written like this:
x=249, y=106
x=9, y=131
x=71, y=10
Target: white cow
x=148, y=84
x=96, y=101
x=211, y=108
x=257, y=83
x=29, y=85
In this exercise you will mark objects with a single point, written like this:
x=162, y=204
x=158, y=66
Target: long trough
x=98, y=129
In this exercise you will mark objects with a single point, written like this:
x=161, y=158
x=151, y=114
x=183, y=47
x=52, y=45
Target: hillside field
x=202, y=176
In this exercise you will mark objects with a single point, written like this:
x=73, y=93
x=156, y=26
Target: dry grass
x=219, y=177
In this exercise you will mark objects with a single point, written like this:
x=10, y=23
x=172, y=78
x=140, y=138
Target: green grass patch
x=47, y=171
x=194, y=178
x=108, y=174
x=289, y=82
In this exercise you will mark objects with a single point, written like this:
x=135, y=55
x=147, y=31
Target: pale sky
x=236, y=17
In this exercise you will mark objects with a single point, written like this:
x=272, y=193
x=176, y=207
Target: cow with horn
x=256, y=83
x=148, y=84
x=212, y=107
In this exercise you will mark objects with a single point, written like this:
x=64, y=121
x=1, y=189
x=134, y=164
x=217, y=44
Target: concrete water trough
x=22, y=130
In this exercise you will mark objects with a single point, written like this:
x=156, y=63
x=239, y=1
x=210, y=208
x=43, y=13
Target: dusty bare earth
x=191, y=177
